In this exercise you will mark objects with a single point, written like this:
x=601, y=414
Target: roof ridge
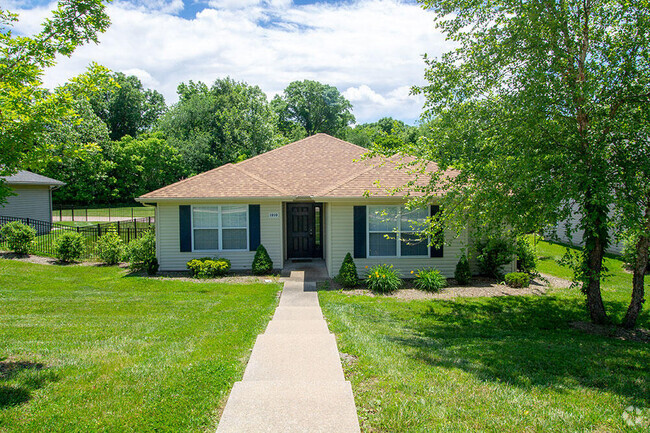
x=187, y=179
x=343, y=182
x=259, y=179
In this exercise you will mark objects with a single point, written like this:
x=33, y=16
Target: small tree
x=69, y=246
x=492, y=254
x=18, y=236
x=527, y=260
x=141, y=253
x=463, y=273
x=111, y=248
x=262, y=263
x=348, y=276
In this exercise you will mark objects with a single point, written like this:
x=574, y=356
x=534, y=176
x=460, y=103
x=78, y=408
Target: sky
x=371, y=50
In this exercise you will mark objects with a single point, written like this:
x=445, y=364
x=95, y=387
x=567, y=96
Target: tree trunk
x=595, y=239
x=638, y=280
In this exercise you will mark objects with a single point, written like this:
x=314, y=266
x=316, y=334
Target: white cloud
x=371, y=49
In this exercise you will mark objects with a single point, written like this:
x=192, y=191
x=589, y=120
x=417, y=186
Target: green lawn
x=507, y=364
x=123, y=212
x=91, y=349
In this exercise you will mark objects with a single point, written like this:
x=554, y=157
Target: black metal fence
x=47, y=233
x=101, y=214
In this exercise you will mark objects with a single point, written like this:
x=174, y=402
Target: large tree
x=27, y=108
x=314, y=107
x=387, y=133
x=528, y=107
x=219, y=124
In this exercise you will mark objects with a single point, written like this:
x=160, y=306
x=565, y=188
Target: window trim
x=220, y=227
x=398, y=234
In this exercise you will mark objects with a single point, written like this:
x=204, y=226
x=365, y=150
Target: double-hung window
x=394, y=231
x=222, y=227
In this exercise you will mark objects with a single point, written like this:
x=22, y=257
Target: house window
x=394, y=231
x=223, y=227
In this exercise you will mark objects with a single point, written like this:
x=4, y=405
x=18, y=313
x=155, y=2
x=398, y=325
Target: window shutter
x=254, y=231
x=436, y=251
x=185, y=227
x=359, y=232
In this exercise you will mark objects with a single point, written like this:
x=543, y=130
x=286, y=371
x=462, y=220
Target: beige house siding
x=33, y=201
x=340, y=237
x=568, y=232
x=171, y=258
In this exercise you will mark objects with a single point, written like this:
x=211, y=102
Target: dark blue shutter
x=185, y=227
x=254, y=232
x=436, y=251
x=359, y=232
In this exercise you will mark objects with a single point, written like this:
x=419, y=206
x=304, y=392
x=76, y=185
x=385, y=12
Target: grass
x=91, y=349
x=505, y=364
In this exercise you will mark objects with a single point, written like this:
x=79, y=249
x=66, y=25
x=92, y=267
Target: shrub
x=492, y=254
x=517, y=279
x=18, y=236
x=262, y=263
x=348, y=276
x=430, y=280
x=463, y=273
x=69, y=246
x=111, y=248
x=526, y=254
x=628, y=255
x=208, y=267
x=141, y=253
x=383, y=279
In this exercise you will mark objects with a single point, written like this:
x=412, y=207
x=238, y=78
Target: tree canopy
x=313, y=107
x=529, y=107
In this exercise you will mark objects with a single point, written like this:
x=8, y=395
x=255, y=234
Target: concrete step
x=297, y=327
x=298, y=313
x=293, y=407
x=293, y=358
x=298, y=299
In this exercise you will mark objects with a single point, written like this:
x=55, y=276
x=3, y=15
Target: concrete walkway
x=294, y=380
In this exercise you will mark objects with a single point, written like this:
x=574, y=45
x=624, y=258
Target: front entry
x=304, y=230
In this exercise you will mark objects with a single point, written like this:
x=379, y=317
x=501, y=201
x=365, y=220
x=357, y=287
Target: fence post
x=86, y=214
x=118, y=228
x=72, y=209
x=132, y=213
x=99, y=230
x=60, y=214
x=109, y=212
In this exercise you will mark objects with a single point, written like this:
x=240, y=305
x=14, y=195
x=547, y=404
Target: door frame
x=317, y=249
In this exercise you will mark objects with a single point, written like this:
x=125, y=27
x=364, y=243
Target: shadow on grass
x=527, y=342
x=18, y=379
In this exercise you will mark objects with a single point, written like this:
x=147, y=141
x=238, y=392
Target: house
x=311, y=199
x=33, y=196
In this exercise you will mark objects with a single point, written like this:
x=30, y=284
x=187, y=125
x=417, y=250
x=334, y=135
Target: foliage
x=386, y=134
x=141, y=252
x=383, y=279
x=69, y=246
x=262, y=263
x=18, y=236
x=517, y=279
x=110, y=247
x=463, y=272
x=492, y=254
x=103, y=322
x=531, y=106
x=347, y=276
x=429, y=280
x=208, y=267
x=215, y=125
x=28, y=109
x=527, y=259
x=314, y=107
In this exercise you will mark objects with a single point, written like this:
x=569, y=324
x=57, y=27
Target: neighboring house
x=33, y=196
x=569, y=232
x=304, y=200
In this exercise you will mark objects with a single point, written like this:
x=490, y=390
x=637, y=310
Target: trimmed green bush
x=517, y=279
x=262, y=263
x=141, y=253
x=348, y=276
x=110, y=248
x=18, y=236
x=383, y=279
x=429, y=280
x=69, y=246
x=628, y=255
x=492, y=254
x=527, y=259
x=463, y=273
x=208, y=267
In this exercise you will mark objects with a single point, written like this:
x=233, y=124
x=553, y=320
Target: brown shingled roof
x=317, y=166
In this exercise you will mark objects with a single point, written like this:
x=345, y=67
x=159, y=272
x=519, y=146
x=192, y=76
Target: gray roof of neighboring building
x=24, y=177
